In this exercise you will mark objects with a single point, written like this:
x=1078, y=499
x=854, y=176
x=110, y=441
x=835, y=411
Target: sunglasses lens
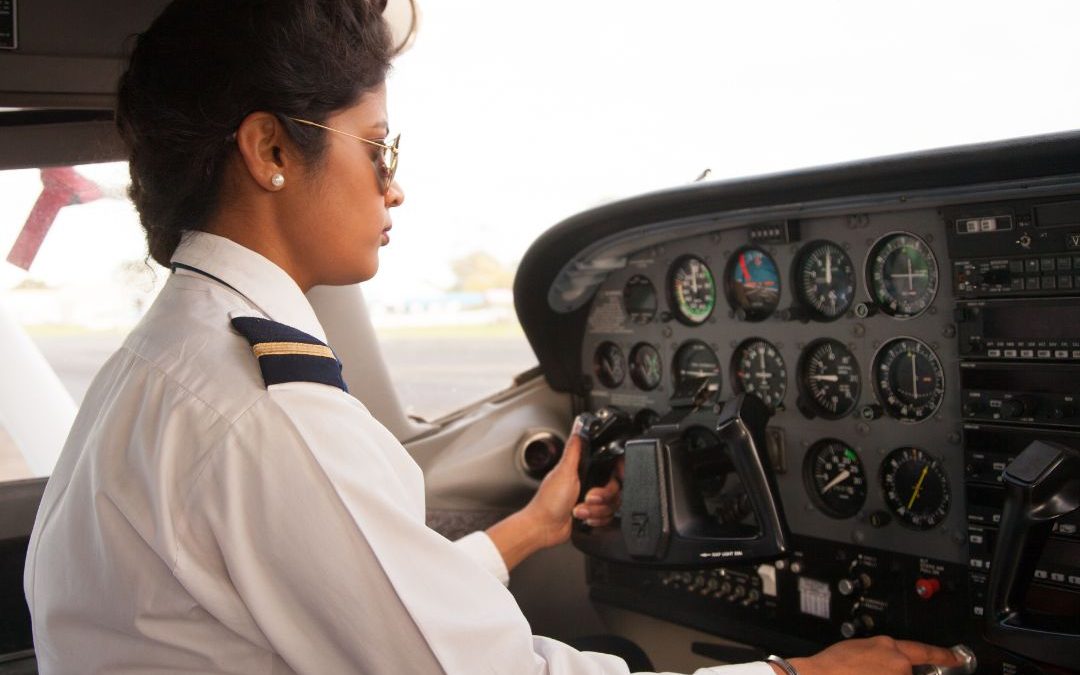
x=389, y=164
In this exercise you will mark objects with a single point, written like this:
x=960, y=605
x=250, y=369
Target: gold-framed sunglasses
x=388, y=159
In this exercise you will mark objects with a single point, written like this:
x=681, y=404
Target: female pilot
x=222, y=504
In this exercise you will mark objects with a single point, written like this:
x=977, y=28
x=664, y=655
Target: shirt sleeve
x=483, y=551
x=306, y=534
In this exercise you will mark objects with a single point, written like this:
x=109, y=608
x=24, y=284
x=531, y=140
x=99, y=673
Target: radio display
x=1031, y=322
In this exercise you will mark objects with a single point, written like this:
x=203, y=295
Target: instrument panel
x=887, y=352
x=842, y=329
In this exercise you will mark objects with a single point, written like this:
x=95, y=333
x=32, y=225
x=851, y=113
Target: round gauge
x=829, y=378
x=753, y=284
x=645, y=368
x=834, y=477
x=902, y=274
x=609, y=364
x=757, y=368
x=909, y=380
x=916, y=488
x=639, y=299
x=825, y=280
x=693, y=290
x=694, y=360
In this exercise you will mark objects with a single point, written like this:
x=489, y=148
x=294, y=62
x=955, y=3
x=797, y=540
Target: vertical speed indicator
x=829, y=382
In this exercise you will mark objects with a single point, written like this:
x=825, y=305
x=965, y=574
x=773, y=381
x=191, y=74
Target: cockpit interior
x=846, y=397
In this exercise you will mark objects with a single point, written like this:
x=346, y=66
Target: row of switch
x=1044, y=264
x=1032, y=354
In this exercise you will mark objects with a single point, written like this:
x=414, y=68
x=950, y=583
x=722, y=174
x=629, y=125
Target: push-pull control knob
x=860, y=625
x=856, y=584
x=1021, y=406
x=927, y=588
x=968, y=664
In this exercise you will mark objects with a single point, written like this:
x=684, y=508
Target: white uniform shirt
x=199, y=521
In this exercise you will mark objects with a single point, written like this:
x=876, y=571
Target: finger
x=918, y=653
x=604, y=493
x=571, y=455
x=596, y=510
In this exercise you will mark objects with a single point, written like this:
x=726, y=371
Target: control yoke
x=697, y=491
x=1042, y=484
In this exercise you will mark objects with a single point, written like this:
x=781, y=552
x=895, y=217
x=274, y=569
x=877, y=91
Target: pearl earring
x=277, y=180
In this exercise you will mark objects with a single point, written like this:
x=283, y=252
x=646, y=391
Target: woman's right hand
x=879, y=655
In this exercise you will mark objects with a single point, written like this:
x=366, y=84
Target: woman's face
x=342, y=217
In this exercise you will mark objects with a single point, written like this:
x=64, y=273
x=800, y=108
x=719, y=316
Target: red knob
x=926, y=588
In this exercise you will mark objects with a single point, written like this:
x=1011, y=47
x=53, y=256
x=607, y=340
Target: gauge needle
x=693, y=277
x=745, y=270
x=918, y=486
x=914, y=377
x=840, y=478
x=910, y=275
x=828, y=266
x=824, y=378
x=761, y=359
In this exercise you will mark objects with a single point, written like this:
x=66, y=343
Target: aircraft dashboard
x=908, y=325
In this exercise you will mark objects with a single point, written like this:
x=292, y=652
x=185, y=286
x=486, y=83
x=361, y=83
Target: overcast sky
x=516, y=115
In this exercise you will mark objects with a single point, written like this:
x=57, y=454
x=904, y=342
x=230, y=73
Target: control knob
x=1020, y=406
x=860, y=624
x=927, y=588
x=856, y=584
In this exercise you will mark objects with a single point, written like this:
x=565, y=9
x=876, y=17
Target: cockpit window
x=516, y=116
x=73, y=283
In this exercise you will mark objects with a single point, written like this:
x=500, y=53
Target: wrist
x=782, y=666
x=516, y=537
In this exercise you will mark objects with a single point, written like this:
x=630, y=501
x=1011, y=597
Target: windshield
x=517, y=115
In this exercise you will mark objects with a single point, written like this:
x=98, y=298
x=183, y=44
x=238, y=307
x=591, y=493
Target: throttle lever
x=968, y=664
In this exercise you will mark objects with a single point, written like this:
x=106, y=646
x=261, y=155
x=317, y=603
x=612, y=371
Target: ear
x=265, y=149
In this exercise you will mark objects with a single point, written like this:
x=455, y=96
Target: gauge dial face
x=902, y=274
x=757, y=368
x=909, y=379
x=753, y=284
x=829, y=378
x=694, y=360
x=609, y=364
x=916, y=488
x=639, y=299
x=693, y=290
x=825, y=280
x=645, y=368
x=834, y=478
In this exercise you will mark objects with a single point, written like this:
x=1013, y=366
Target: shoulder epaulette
x=286, y=354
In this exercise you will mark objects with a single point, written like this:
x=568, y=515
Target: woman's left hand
x=547, y=519
x=555, y=502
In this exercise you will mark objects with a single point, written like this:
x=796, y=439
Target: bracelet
x=784, y=665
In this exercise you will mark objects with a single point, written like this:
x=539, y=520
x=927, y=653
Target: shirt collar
x=260, y=281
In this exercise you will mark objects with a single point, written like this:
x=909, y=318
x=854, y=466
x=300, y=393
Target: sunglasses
x=388, y=159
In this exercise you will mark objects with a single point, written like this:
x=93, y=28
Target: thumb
x=571, y=455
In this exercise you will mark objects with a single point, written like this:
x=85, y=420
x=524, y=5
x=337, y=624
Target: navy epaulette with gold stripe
x=289, y=355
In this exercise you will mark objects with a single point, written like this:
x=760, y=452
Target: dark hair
x=204, y=65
